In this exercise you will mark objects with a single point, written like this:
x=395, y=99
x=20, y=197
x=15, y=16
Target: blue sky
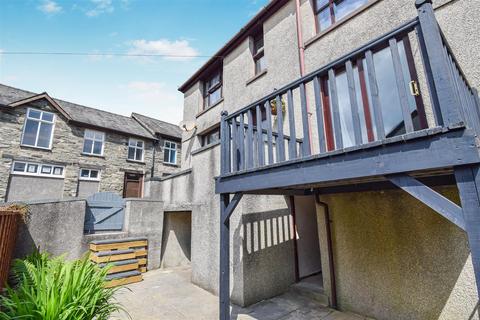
x=117, y=84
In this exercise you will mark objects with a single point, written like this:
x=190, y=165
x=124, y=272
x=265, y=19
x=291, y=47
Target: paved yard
x=169, y=295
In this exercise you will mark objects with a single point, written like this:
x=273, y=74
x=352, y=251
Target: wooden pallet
x=127, y=259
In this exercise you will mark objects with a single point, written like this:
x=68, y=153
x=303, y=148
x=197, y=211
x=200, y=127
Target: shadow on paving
x=168, y=294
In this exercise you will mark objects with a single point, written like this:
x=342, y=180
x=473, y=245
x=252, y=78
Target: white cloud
x=100, y=6
x=179, y=50
x=155, y=99
x=49, y=7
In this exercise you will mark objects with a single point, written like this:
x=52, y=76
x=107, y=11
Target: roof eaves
x=40, y=96
x=265, y=13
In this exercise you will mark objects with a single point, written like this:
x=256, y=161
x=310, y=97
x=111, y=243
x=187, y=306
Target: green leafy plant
x=56, y=289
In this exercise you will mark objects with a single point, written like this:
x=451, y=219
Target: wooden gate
x=105, y=211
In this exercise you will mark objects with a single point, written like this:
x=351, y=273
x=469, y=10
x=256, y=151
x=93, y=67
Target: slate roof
x=82, y=114
x=159, y=127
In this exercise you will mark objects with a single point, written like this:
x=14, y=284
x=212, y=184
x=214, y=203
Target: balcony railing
x=369, y=95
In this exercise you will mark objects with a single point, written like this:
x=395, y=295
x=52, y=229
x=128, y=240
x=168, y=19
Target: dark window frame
x=208, y=88
x=331, y=6
x=258, y=52
x=205, y=137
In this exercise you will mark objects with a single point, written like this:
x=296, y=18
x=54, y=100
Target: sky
x=193, y=29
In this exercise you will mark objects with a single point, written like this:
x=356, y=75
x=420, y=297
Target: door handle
x=414, y=88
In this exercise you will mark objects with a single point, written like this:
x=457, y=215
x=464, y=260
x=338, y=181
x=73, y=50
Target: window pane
x=47, y=116
x=140, y=144
x=87, y=146
x=32, y=168
x=93, y=174
x=324, y=19
x=138, y=154
x=84, y=173
x=215, y=96
x=30, y=133
x=344, y=106
x=172, y=156
x=132, y=142
x=343, y=8
x=131, y=153
x=34, y=114
x=97, y=147
x=58, y=171
x=260, y=65
x=258, y=44
x=44, y=135
x=98, y=136
x=19, y=166
x=389, y=99
x=89, y=134
x=321, y=3
x=166, y=155
x=46, y=169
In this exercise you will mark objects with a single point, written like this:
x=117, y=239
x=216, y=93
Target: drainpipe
x=333, y=286
x=301, y=54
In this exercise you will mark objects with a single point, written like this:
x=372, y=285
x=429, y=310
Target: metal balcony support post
x=443, y=85
x=468, y=183
x=225, y=144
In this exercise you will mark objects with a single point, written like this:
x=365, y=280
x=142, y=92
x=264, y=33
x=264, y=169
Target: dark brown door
x=133, y=185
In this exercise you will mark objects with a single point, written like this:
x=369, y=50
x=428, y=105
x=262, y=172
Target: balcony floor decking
x=427, y=153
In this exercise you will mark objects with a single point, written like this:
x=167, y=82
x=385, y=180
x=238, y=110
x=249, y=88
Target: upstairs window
x=170, y=152
x=93, y=142
x=212, y=91
x=38, y=129
x=258, y=53
x=135, y=150
x=328, y=12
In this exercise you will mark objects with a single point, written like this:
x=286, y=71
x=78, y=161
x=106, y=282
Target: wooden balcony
x=375, y=118
x=373, y=114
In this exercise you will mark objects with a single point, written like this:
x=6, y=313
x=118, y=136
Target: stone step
x=311, y=291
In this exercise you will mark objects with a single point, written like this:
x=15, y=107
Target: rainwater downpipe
x=301, y=54
x=331, y=265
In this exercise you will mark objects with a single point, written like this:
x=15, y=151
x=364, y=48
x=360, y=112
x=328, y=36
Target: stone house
x=52, y=149
x=371, y=248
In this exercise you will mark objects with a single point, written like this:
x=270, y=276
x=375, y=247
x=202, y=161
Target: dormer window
x=212, y=91
x=38, y=129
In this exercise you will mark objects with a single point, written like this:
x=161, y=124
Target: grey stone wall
x=67, y=150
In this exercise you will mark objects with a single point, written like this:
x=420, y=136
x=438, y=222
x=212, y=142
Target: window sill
x=93, y=155
x=170, y=164
x=337, y=24
x=89, y=180
x=136, y=161
x=36, y=148
x=204, y=148
x=257, y=76
x=209, y=108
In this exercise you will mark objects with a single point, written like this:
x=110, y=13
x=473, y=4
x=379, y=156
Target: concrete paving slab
x=168, y=294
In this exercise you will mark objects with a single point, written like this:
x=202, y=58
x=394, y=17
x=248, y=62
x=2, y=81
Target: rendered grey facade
x=52, y=149
x=392, y=256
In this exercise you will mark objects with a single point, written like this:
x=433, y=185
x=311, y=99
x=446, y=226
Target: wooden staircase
x=127, y=258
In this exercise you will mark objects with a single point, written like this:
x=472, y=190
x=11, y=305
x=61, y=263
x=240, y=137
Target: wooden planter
x=9, y=219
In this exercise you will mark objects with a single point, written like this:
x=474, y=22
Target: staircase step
x=114, y=255
x=126, y=243
x=122, y=278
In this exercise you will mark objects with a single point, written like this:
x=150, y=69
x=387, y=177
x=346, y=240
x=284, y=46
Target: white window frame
x=135, y=141
x=93, y=142
x=89, y=178
x=171, y=149
x=38, y=172
x=38, y=129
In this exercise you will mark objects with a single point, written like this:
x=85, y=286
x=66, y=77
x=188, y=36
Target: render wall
x=57, y=228
x=67, y=151
x=177, y=239
x=397, y=259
